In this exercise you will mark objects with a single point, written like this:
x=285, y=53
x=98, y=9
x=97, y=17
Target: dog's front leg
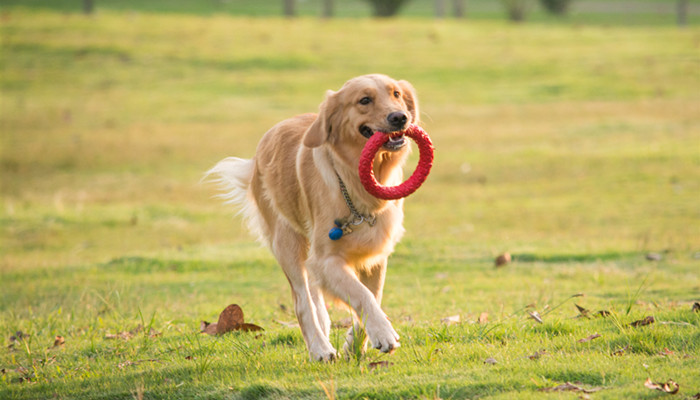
x=373, y=279
x=342, y=281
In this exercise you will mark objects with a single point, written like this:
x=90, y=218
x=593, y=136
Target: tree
x=558, y=7
x=327, y=11
x=386, y=8
x=289, y=10
x=516, y=9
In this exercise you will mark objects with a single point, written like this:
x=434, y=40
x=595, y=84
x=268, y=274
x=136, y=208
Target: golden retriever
x=293, y=191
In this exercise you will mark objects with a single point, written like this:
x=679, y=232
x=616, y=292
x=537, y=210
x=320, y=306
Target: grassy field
x=576, y=148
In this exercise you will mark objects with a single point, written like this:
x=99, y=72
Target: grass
x=573, y=147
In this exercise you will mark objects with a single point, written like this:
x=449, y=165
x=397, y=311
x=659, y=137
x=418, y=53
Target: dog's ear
x=320, y=130
x=411, y=100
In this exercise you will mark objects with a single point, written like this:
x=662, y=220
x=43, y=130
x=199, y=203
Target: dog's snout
x=397, y=119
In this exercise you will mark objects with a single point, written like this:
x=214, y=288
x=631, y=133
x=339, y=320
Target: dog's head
x=364, y=105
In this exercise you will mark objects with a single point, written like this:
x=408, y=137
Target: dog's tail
x=233, y=176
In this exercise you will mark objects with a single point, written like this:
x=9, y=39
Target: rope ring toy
x=425, y=162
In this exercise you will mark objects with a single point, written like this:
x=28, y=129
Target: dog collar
x=343, y=226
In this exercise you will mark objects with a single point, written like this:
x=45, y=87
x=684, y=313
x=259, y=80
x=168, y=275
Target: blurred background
x=561, y=126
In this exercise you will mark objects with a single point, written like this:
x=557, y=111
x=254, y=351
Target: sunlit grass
x=573, y=148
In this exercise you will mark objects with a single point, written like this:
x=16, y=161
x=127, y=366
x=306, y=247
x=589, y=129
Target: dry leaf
x=483, y=318
x=589, y=338
x=603, y=313
x=537, y=354
x=643, y=322
x=535, y=315
x=379, y=364
x=583, y=312
x=451, y=320
x=570, y=387
x=669, y=386
x=490, y=361
x=503, y=259
x=666, y=352
x=58, y=341
x=696, y=307
x=231, y=319
x=621, y=351
x=654, y=257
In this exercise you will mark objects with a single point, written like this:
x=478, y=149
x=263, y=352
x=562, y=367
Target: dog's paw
x=323, y=354
x=384, y=339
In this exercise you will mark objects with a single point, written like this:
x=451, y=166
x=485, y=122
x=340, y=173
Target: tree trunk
x=88, y=7
x=458, y=8
x=440, y=9
x=327, y=11
x=289, y=10
x=682, y=12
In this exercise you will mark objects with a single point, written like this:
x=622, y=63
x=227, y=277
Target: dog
x=303, y=181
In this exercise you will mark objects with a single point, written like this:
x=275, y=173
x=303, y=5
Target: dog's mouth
x=395, y=142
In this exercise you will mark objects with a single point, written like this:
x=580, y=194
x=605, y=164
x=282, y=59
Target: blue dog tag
x=335, y=233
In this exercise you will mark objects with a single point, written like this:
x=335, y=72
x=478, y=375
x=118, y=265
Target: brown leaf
x=621, y=351
x=589, y=338
x=583, y=312
x=536, y=316
x=207, y=327
x=669, y=386
x=58, y=341
x=537, y=354
x=573, y=387
x=643, y=322
x=696, y=307
x=490, y=361
x=483, y=318
x=666, y=352
x=502, y=259
x=249, y=328
x=603, y=313
x=230, y=319
x=379, y=364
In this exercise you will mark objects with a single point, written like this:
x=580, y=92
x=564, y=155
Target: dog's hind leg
x=290, y=250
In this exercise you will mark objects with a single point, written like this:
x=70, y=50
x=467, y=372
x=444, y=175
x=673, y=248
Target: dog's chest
x=366, y=242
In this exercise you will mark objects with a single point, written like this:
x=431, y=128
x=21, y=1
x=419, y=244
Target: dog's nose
x=397, y=119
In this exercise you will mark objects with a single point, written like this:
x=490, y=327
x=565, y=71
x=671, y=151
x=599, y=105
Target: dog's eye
x=365, y=100
x=397, y=94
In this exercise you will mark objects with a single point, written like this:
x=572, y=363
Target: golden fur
x=290, y=194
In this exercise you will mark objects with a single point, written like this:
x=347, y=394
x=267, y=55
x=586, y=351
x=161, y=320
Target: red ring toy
x=425, y=162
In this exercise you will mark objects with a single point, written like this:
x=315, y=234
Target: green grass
x=575, y=148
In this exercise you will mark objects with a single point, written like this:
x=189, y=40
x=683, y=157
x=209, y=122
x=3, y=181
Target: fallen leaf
x=654, y=257
x=537, y=354
x=696, y=307
x=451, y=320
x=490, y=361
x=666, y=352
x=571, y=387
x=207, y=327
x=503, y=259
x=621, y=351
x=58, y=341
x=669, y=386
x=583, y=312
x=643, y=322
x=19, y=335
x=589, y=338
x=189, y=358
x=231, y=319
x=603, y=313
x=483, y=318
x=696, y=396
x=535, y=315
x=379, y=364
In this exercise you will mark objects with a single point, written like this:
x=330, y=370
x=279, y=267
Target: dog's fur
x=290, y=194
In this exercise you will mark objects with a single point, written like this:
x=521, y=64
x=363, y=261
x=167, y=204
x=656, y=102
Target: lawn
x=574, y=147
